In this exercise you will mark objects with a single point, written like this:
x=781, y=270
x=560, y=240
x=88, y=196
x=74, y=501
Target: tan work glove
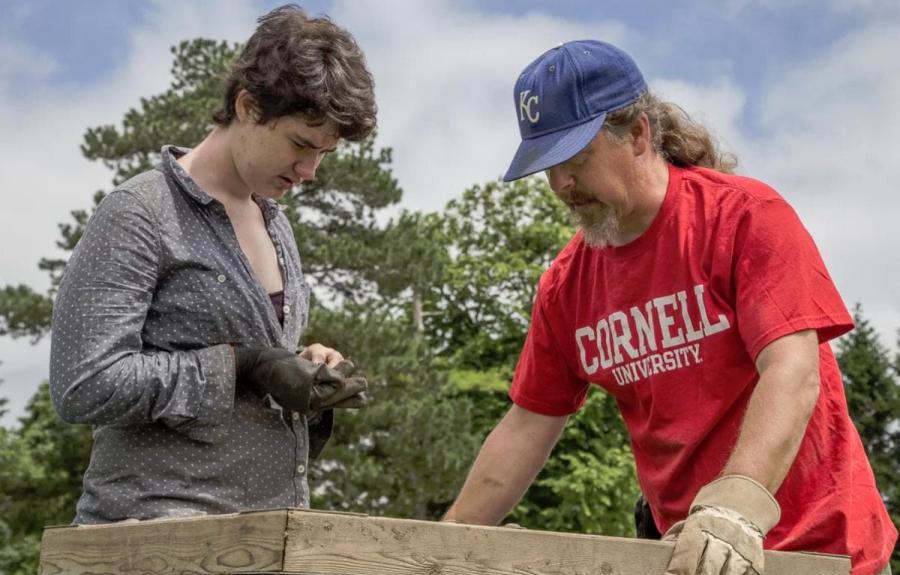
x=724, y=531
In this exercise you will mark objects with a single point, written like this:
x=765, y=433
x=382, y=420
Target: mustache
x=576, y=197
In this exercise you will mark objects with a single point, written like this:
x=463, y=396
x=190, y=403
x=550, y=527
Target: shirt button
x=295, y=415
x=221, y=278
x=301, y=469
x=286, y=309
x=281, y=261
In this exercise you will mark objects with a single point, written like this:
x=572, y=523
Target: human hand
x=297, y=383
x=724, y=531
x=318, y=353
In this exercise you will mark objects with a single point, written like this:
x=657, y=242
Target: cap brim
x=538, y=154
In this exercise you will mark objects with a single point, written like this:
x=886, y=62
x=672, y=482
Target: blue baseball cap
x=562, y=99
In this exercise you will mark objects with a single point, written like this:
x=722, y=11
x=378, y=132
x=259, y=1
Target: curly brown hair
x=676, y=137
x=294, y=64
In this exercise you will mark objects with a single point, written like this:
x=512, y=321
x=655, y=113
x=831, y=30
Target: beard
x=600, y=225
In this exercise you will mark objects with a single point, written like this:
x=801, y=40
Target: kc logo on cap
x=565, y=95
x=525, y=103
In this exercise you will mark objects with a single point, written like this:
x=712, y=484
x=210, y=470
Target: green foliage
x=406, y=453
x=18, y=556
x=24, y=312
x=411, y=256
x=873, y=395
x=589, y=484
x=335, y=217
x=432, y=308
x=181, y=114
x=501, y=237
x=71, y=234
x=41, y=466
x=495, y=379
x=439, y=335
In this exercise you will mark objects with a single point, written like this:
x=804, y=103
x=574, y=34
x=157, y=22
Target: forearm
x=508, y=462
x=174, y=388
x=731, y=515
x=100, y=370
x=496, y=482
x=776, y=419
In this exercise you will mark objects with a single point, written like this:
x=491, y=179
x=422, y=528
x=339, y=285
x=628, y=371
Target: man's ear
x=641, y=137
x=245, y=107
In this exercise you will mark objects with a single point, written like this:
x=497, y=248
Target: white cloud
x=23, y=367
x=18, y=60
x=877, y=9
x=717, y=105
x=44, y=175
x=444, y=80
x=830, y=147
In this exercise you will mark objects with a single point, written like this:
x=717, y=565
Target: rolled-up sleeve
x=100, y=372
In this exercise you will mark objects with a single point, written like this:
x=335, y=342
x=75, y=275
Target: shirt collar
x=170, y=165
x=269, y=207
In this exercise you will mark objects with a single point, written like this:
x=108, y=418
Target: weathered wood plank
x=340, y=545
x=221, y=544
x=321, y=543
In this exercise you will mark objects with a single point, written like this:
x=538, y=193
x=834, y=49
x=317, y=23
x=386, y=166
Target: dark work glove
x=337, y=388
x=296, y=383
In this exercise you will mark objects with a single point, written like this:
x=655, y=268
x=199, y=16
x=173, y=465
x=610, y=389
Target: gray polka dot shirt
x=153, y=295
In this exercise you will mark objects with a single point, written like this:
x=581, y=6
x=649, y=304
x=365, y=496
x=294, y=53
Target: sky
x=805, y=92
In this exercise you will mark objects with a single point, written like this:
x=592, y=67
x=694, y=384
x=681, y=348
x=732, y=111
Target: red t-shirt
x=671, y=324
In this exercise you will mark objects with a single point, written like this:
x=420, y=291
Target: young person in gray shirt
x=177, y=322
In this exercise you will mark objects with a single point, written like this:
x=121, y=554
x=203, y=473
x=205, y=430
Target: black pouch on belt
x=643, y=520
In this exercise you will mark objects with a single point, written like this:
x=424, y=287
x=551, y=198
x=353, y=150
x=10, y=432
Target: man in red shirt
x=699, y=301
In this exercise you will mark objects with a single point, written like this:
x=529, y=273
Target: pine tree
x=873, y=397
x=41, y=467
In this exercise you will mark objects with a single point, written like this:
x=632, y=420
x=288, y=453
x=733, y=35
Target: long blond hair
x=675, y=136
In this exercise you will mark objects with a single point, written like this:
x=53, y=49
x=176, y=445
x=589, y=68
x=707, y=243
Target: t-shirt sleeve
x=781, y=283
x=543, y=382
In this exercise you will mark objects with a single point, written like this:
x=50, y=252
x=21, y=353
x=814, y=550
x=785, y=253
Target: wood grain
x=321, y=543
x=338, y=545
x=236, y=543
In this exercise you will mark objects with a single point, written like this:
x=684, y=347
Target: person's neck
x=651, y=182
x=211, y=165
